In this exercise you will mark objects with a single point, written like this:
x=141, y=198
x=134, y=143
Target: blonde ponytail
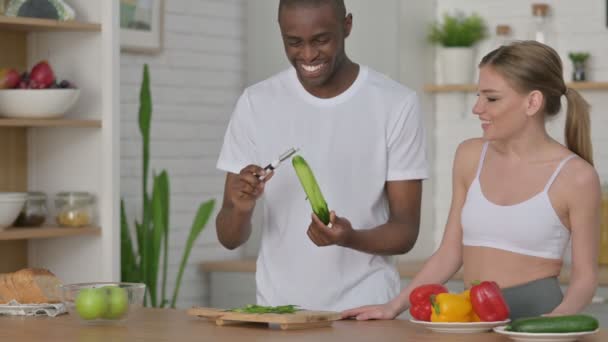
x=578, y=126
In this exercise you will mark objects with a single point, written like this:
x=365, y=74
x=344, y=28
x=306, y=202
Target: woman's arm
x=447, y=260
x=584, y=201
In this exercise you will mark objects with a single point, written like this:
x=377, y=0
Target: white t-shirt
x=354, y=142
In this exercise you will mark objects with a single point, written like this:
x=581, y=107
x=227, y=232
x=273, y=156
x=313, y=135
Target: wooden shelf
x=588, y=85
x=35, y=24
x=45, y=232
x=447, y=88
x=50, y=123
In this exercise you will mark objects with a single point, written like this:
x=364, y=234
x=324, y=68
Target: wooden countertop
x=407, y=269
x=176, y=325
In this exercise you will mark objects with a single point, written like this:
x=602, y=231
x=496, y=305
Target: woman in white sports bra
x=518, y=195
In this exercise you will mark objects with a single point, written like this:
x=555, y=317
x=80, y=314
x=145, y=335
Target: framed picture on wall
x=141, y=25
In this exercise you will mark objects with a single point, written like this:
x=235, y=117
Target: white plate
x=464, y=328
x=543, y=337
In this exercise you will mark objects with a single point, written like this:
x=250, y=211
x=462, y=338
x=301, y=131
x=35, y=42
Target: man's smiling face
x=313, y=37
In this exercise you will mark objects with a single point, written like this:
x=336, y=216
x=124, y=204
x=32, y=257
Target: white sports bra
x=530, y=227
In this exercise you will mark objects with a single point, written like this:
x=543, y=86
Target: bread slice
x=2, y=294
x=7, y=290
x=30, y=286
x=36, y=285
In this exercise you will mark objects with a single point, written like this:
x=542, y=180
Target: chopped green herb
x=260, y=309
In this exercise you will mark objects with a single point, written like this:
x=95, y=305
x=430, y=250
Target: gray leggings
x=534, y=298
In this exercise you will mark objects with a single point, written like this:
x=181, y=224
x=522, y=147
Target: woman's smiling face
x=503, y=111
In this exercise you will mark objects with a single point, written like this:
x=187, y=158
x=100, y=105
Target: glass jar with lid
x=74, y=209
x=34, y=210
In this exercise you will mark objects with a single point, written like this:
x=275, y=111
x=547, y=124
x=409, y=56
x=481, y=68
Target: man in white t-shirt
x=363, y=136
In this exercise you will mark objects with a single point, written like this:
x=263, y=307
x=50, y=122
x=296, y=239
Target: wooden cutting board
x=299, y=320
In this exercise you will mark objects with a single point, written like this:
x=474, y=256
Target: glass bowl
x=95, y=303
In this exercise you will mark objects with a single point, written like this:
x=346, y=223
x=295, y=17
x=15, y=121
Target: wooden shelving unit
x=45, y=232
x=50, y=123
x=78, y=152
x=34, y=24
x=467, y=88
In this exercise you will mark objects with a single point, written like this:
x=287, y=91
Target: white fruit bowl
x=11, y=204
x=37, y=103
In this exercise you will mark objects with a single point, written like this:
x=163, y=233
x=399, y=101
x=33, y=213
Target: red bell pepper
x=488, y=302
x=420, y=300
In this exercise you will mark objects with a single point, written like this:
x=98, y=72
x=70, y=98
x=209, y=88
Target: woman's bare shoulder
x=579, y=175
x=469, y=151
x=467, y=157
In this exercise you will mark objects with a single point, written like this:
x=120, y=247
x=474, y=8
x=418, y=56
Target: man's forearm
x=387, y=239
x=233, y=227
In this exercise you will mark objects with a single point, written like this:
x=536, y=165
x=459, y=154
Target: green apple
x=118, y=302
x=91, y=303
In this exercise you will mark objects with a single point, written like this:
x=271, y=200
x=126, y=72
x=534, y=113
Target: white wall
x=195, y=82
x=579, y=25
x=373, y=41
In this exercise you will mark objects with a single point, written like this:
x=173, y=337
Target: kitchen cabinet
x=78, y=152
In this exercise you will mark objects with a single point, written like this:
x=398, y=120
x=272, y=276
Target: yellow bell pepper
x=474, y=318
x=451, y=307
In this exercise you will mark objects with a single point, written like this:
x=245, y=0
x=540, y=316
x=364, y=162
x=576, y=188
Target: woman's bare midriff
x=506, y=268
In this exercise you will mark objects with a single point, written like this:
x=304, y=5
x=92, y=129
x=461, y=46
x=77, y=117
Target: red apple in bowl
x=42, y=76
x=9, y=78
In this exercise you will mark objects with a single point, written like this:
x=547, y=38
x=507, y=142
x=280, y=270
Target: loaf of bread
x=30, y=286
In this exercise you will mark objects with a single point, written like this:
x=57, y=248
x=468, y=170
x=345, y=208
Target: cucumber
x=311, y=188
x=556, y=324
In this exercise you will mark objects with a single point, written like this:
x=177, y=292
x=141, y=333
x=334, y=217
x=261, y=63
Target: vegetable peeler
x=278, y=161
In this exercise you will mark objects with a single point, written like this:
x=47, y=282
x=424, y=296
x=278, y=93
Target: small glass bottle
x=74, y=209
x=541, y=29
x=34, y=211
x=579, y=74
x=503, y=35
x=604, y=227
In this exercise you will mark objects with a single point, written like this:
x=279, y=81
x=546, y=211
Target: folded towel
x=14, y=308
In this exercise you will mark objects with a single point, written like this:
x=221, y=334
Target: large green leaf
x=153, y=258
x=160, y=199
x=129, y=270
x=145, y=117
x=165, y=191
x=202, y=216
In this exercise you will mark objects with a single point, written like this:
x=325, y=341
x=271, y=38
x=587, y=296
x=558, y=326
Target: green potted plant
x=456, y=35
x=578, y=60
x=140, y=261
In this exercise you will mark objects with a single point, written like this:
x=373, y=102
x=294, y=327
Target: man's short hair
x=337, y=4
